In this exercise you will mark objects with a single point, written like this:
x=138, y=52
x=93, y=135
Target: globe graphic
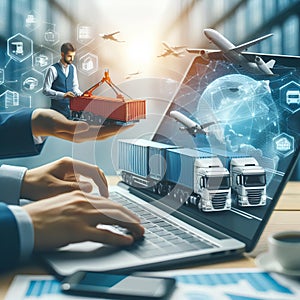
x=245, y=114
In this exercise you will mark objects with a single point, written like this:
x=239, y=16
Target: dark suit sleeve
x=16, y=135
x=9, y=236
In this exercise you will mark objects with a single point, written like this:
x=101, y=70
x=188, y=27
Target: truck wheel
x=160, y=189
x=90, y=118
x=130, y=180
x=127, y=178
x=182, y=198
x=98, y=120
x=80, y=115
x=123, y=176
x=176, y=194
x=199, y=204
x=74, y=114
x=169, y=189
x=186, y=196
x=154, y=188
x=84, y=115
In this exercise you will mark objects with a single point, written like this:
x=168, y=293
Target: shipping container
x=99, y=109
x=181, y=165
x=143, y=158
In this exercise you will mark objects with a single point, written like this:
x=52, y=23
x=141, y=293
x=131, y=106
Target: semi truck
x=248, y=178
x=190, y=176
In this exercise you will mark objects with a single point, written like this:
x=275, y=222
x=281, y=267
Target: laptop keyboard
x=161, y=236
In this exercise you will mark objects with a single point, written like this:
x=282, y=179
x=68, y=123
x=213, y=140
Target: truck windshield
x=213, y=183
x=254, y=180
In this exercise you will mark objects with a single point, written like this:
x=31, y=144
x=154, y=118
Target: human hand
x=62, y=176
x=73, y=217
x=48, y=122
x=69, y=95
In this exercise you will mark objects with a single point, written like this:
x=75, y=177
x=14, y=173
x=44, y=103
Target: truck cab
x=248, y=181
x=212, y=184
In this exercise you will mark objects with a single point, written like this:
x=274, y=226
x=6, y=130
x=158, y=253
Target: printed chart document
x=233, y=284
x=212, y=284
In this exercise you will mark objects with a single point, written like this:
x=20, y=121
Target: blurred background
x=134, y=60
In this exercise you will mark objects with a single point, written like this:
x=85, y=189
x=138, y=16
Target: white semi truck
x=190, y=176
x=248, y=178
x=212, y=184
x=203, y=174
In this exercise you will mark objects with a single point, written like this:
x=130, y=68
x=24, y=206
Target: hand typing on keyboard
x=73, y=217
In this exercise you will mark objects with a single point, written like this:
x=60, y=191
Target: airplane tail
x=270, y=64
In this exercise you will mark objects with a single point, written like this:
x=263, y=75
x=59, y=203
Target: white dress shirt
x=51, y=75
x=11, y=178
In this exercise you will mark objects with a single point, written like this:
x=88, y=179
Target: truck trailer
x=190, y=176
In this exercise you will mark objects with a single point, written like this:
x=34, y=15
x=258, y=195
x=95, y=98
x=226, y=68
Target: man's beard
x=67, y=62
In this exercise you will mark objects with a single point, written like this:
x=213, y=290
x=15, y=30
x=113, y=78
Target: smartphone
x=117, y=286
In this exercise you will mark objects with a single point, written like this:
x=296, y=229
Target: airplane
x=251, y=62
x=110, y=36
x=172, y=50
x=190, y=126
x=129, y=75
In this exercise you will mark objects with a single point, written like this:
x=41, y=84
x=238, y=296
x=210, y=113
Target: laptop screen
x=248, y=122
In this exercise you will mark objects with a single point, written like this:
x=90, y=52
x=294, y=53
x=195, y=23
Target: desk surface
x=286, y=216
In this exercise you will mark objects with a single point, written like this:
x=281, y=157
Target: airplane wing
x=245, y=46
x=114, y=33
x=250, y=56
x=205, y=125
x=286, y=60
x=208, y=54
x=167, y=46
x=179, y=47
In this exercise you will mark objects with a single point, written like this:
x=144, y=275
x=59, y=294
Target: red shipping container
x=98, y=109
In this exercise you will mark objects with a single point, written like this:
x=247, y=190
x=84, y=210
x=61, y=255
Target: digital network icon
x=290, y=96
x=31, y=20
x=284, y=144
x=19, y=47
x=1, y=76
x=88, y=64
x=9, y=99
x=84, y=34
x=42, y=59
x=32, y=81
x=51, y=36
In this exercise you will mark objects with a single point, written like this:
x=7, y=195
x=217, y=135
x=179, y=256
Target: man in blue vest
x=61, y=81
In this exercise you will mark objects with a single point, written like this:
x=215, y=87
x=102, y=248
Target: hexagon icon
x=290, y=96
x=88, y=64
x=9, y=99
x=85, y=34
x=51, y=36
x=19, y=47
x=1, y=76
x=32, y=81
x=42, y=59
x=284, y=144
x=31, y=20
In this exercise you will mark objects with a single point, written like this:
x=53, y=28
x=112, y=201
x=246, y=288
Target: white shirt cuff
x=26, y=231
x=11, y=178
x=39, y=139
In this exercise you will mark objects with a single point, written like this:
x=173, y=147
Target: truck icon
x=293, y=97
x=18, y=48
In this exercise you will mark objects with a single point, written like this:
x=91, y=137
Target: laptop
x=220, y=113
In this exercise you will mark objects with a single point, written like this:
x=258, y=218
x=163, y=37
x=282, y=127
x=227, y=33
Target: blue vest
x=62, y=84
